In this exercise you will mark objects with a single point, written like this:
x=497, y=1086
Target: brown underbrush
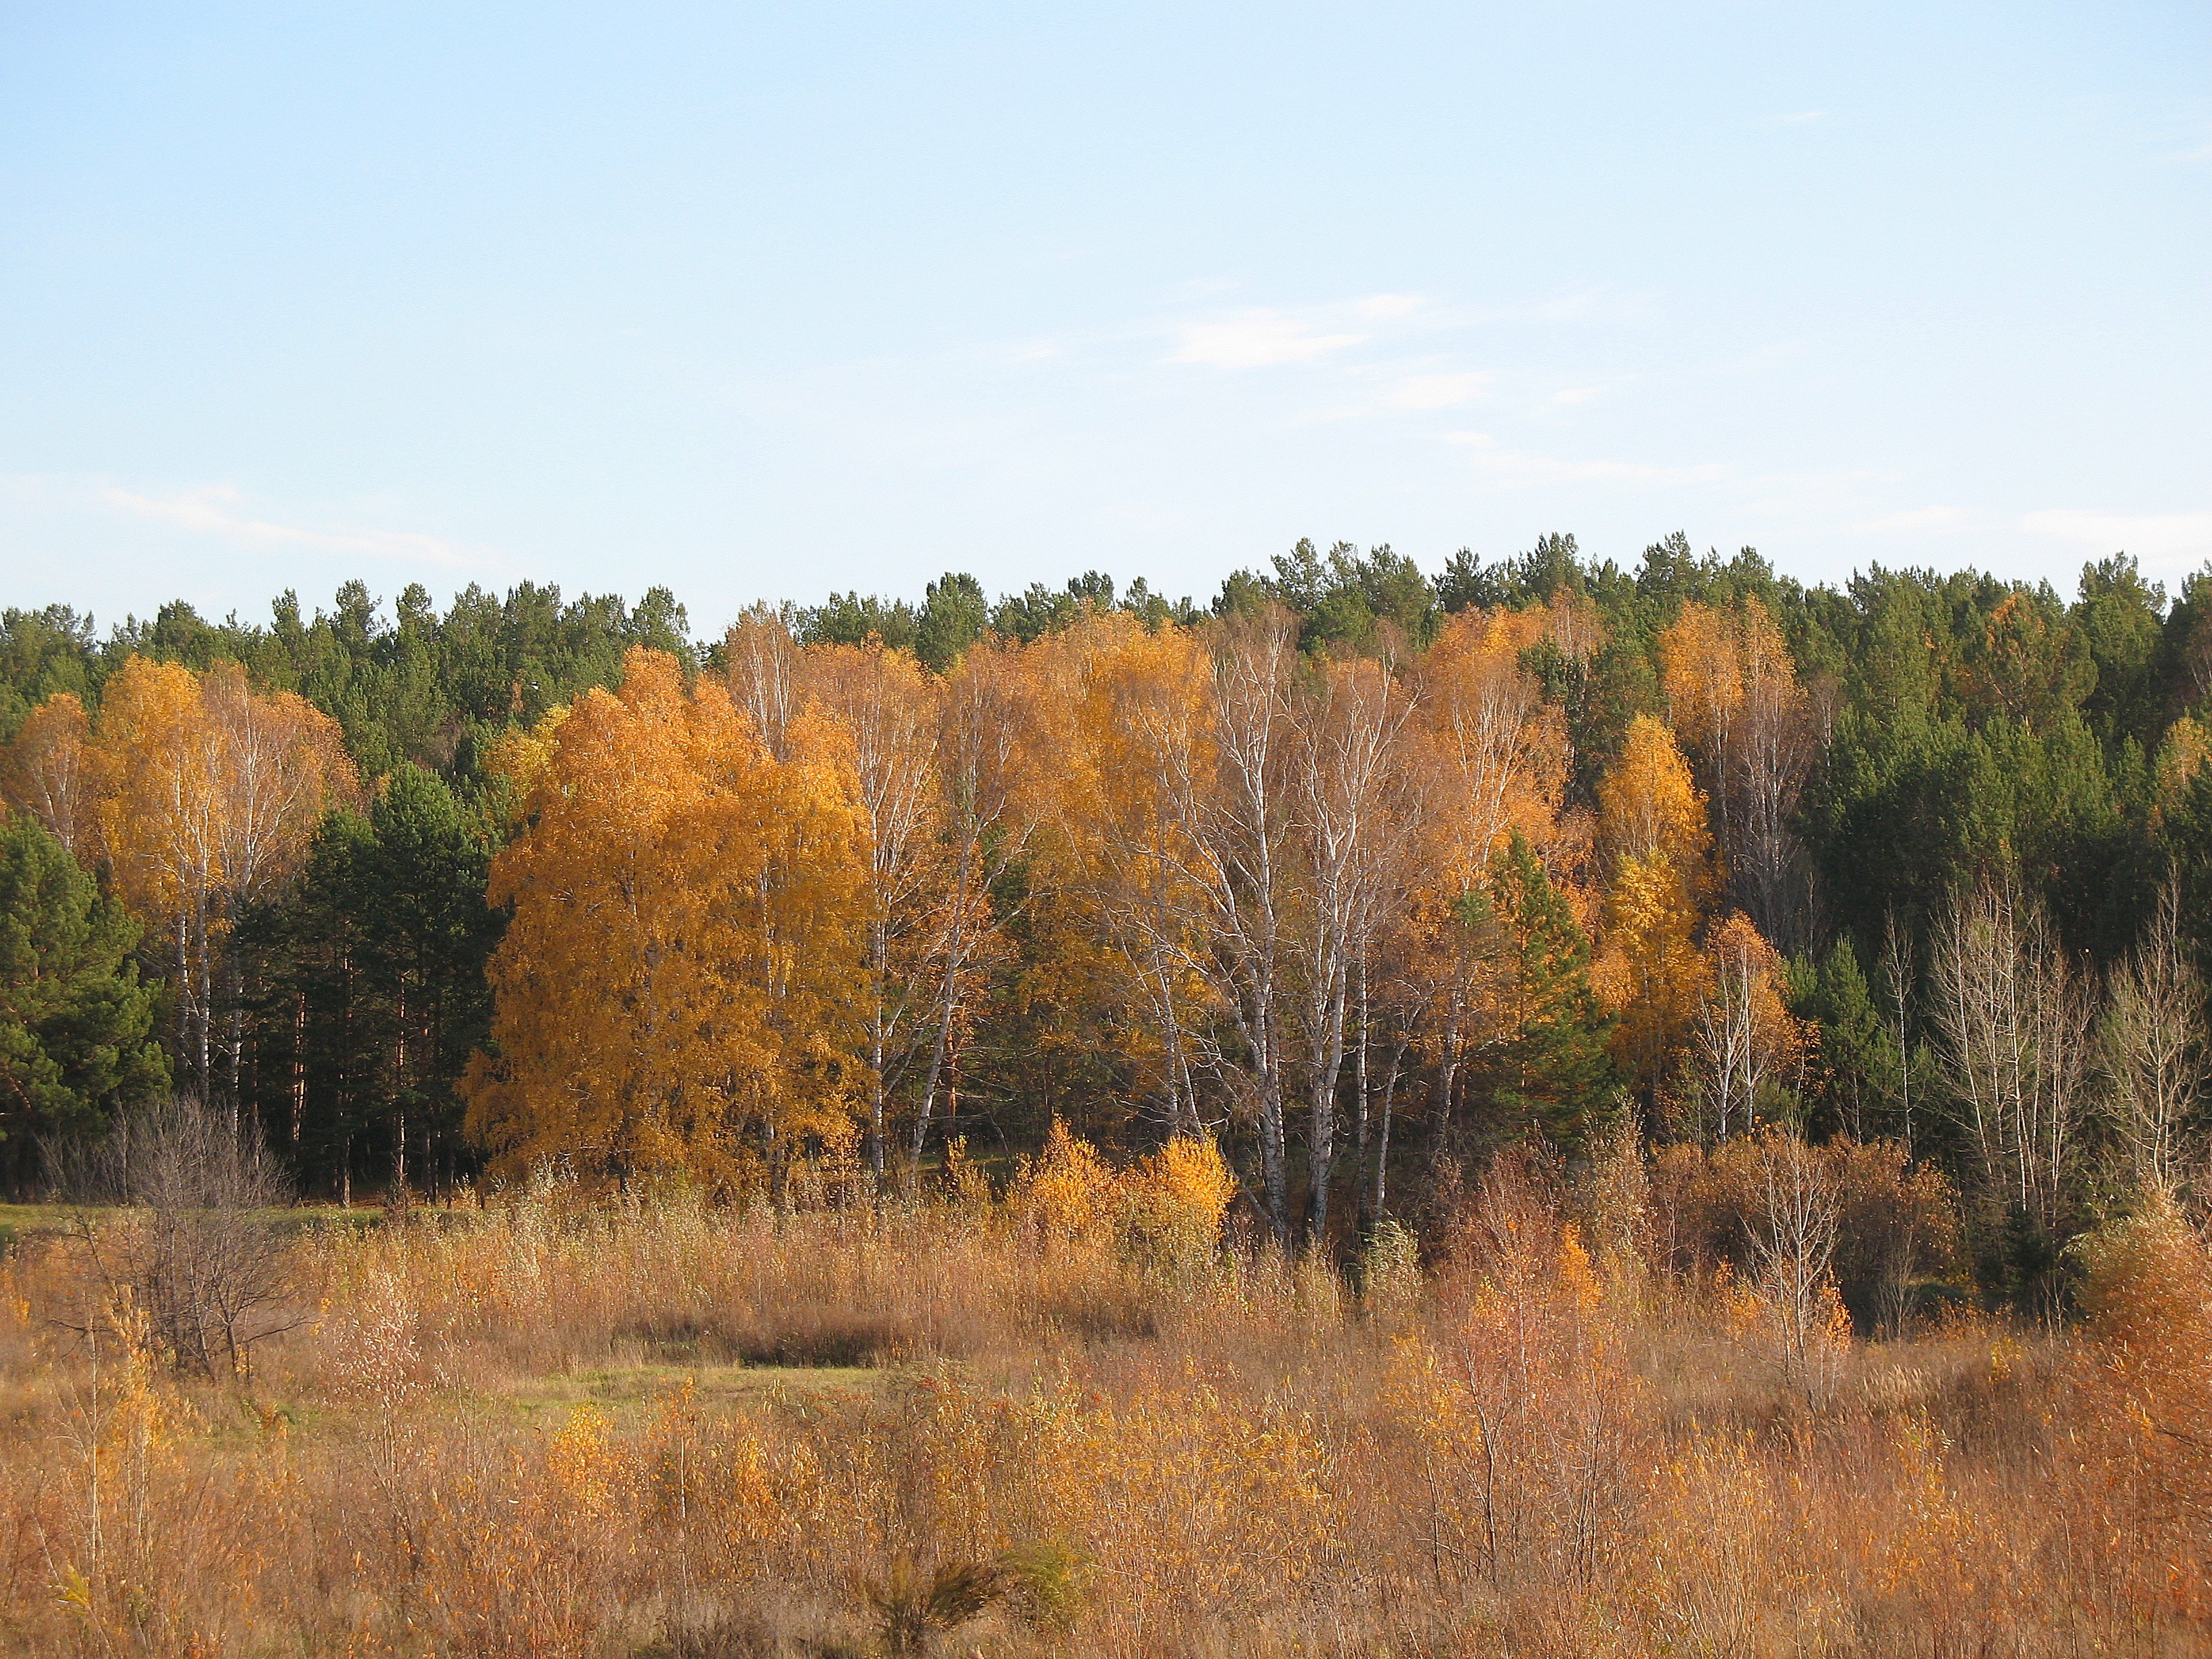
x=1065, y=1421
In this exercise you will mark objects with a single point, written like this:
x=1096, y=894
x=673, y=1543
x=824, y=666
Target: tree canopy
x=1349, y=867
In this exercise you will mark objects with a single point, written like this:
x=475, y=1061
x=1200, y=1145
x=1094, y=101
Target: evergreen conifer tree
x=75, y=1025
x=1556, y=1069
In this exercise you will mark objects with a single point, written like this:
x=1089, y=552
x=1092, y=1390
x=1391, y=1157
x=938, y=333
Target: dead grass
x=557, y=1428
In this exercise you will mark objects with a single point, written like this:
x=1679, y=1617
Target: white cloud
x=1799, y=117
x=2161, y=541
x=215, y=511
x=1258, y=339
x=1920, y=518
x=1590, y=306
x=1521, y=466
x=1574, y=394
x=1388, y=308
x=1426, y=392
x=1268, y=336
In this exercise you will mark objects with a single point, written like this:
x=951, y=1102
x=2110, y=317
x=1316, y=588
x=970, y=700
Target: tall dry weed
x=1073, y=1420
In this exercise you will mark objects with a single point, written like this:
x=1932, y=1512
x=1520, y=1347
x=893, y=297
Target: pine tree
x=953, y=616
x=1556, y=1068
x=1860, y=1070
x=305, y=963
x=422, y=874
x=370, y=987
x=75, y=1023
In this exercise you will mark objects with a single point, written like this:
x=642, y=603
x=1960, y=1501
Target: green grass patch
x=24, y=1220
x=19, y=1220
x=617, y=1389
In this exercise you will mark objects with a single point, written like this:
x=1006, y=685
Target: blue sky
x=766, y=301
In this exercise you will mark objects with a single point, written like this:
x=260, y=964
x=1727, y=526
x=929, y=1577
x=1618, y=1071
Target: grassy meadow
x=1068, y=1416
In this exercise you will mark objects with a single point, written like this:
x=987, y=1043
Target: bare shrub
x=1527, y=1490
x=2015, y=1015
x=172, y=1220
x=1793, y=1251
x=1897, y=1223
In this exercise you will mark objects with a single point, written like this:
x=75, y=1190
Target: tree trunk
x=876, y=1097
x=299, y=1063
x=1359, y=1102
x=1376, y=1206
x=1440, y=1094
x=952, y=966
x=1322, y=1162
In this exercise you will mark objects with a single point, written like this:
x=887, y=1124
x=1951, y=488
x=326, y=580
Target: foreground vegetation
x=1621, y=1410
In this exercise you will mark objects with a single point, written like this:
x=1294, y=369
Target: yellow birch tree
x=686, y=938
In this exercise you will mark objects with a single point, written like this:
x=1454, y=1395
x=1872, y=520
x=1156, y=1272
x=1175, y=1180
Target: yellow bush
x=1066, y=1191
x=1172, y=1205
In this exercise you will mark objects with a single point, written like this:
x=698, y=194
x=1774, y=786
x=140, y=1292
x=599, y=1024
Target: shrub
x=1172, y=1206
x=193, y=1248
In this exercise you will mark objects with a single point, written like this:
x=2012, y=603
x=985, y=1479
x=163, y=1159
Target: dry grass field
x=1064, y=1418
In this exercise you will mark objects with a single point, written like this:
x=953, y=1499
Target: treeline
x=1362, y=872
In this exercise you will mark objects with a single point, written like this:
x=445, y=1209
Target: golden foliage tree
x=1491, y=760
x=209, y=794
x=1120, y=743
x=1743, y=1038
x=674, y=990
x=520, y=758
x=49, y=773
x=1701, y=671
x=1173, y=765
x=1355, y=815
x=980, y=761
x=763, y=673
x=1654, y=841
x=1500, y=748
x=1237, y=818
x=1735, y=701
x=885, y=707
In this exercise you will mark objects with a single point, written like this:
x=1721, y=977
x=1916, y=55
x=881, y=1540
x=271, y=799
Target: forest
x=1362, y=874
x=1582, y=1108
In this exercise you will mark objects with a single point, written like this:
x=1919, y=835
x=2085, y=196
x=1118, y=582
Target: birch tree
x=1353, y=819
x=1236, y=821
x=1734, y=699
x=49, y=773
x=688, y=918
x=885, y=706
x=1654, y=848
x=980, y=756
x=2014, y=1016
x=1741, y=1039
x=209, y=794
x=2153, y=1052
x=1124, y=753
x=1492, y=764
